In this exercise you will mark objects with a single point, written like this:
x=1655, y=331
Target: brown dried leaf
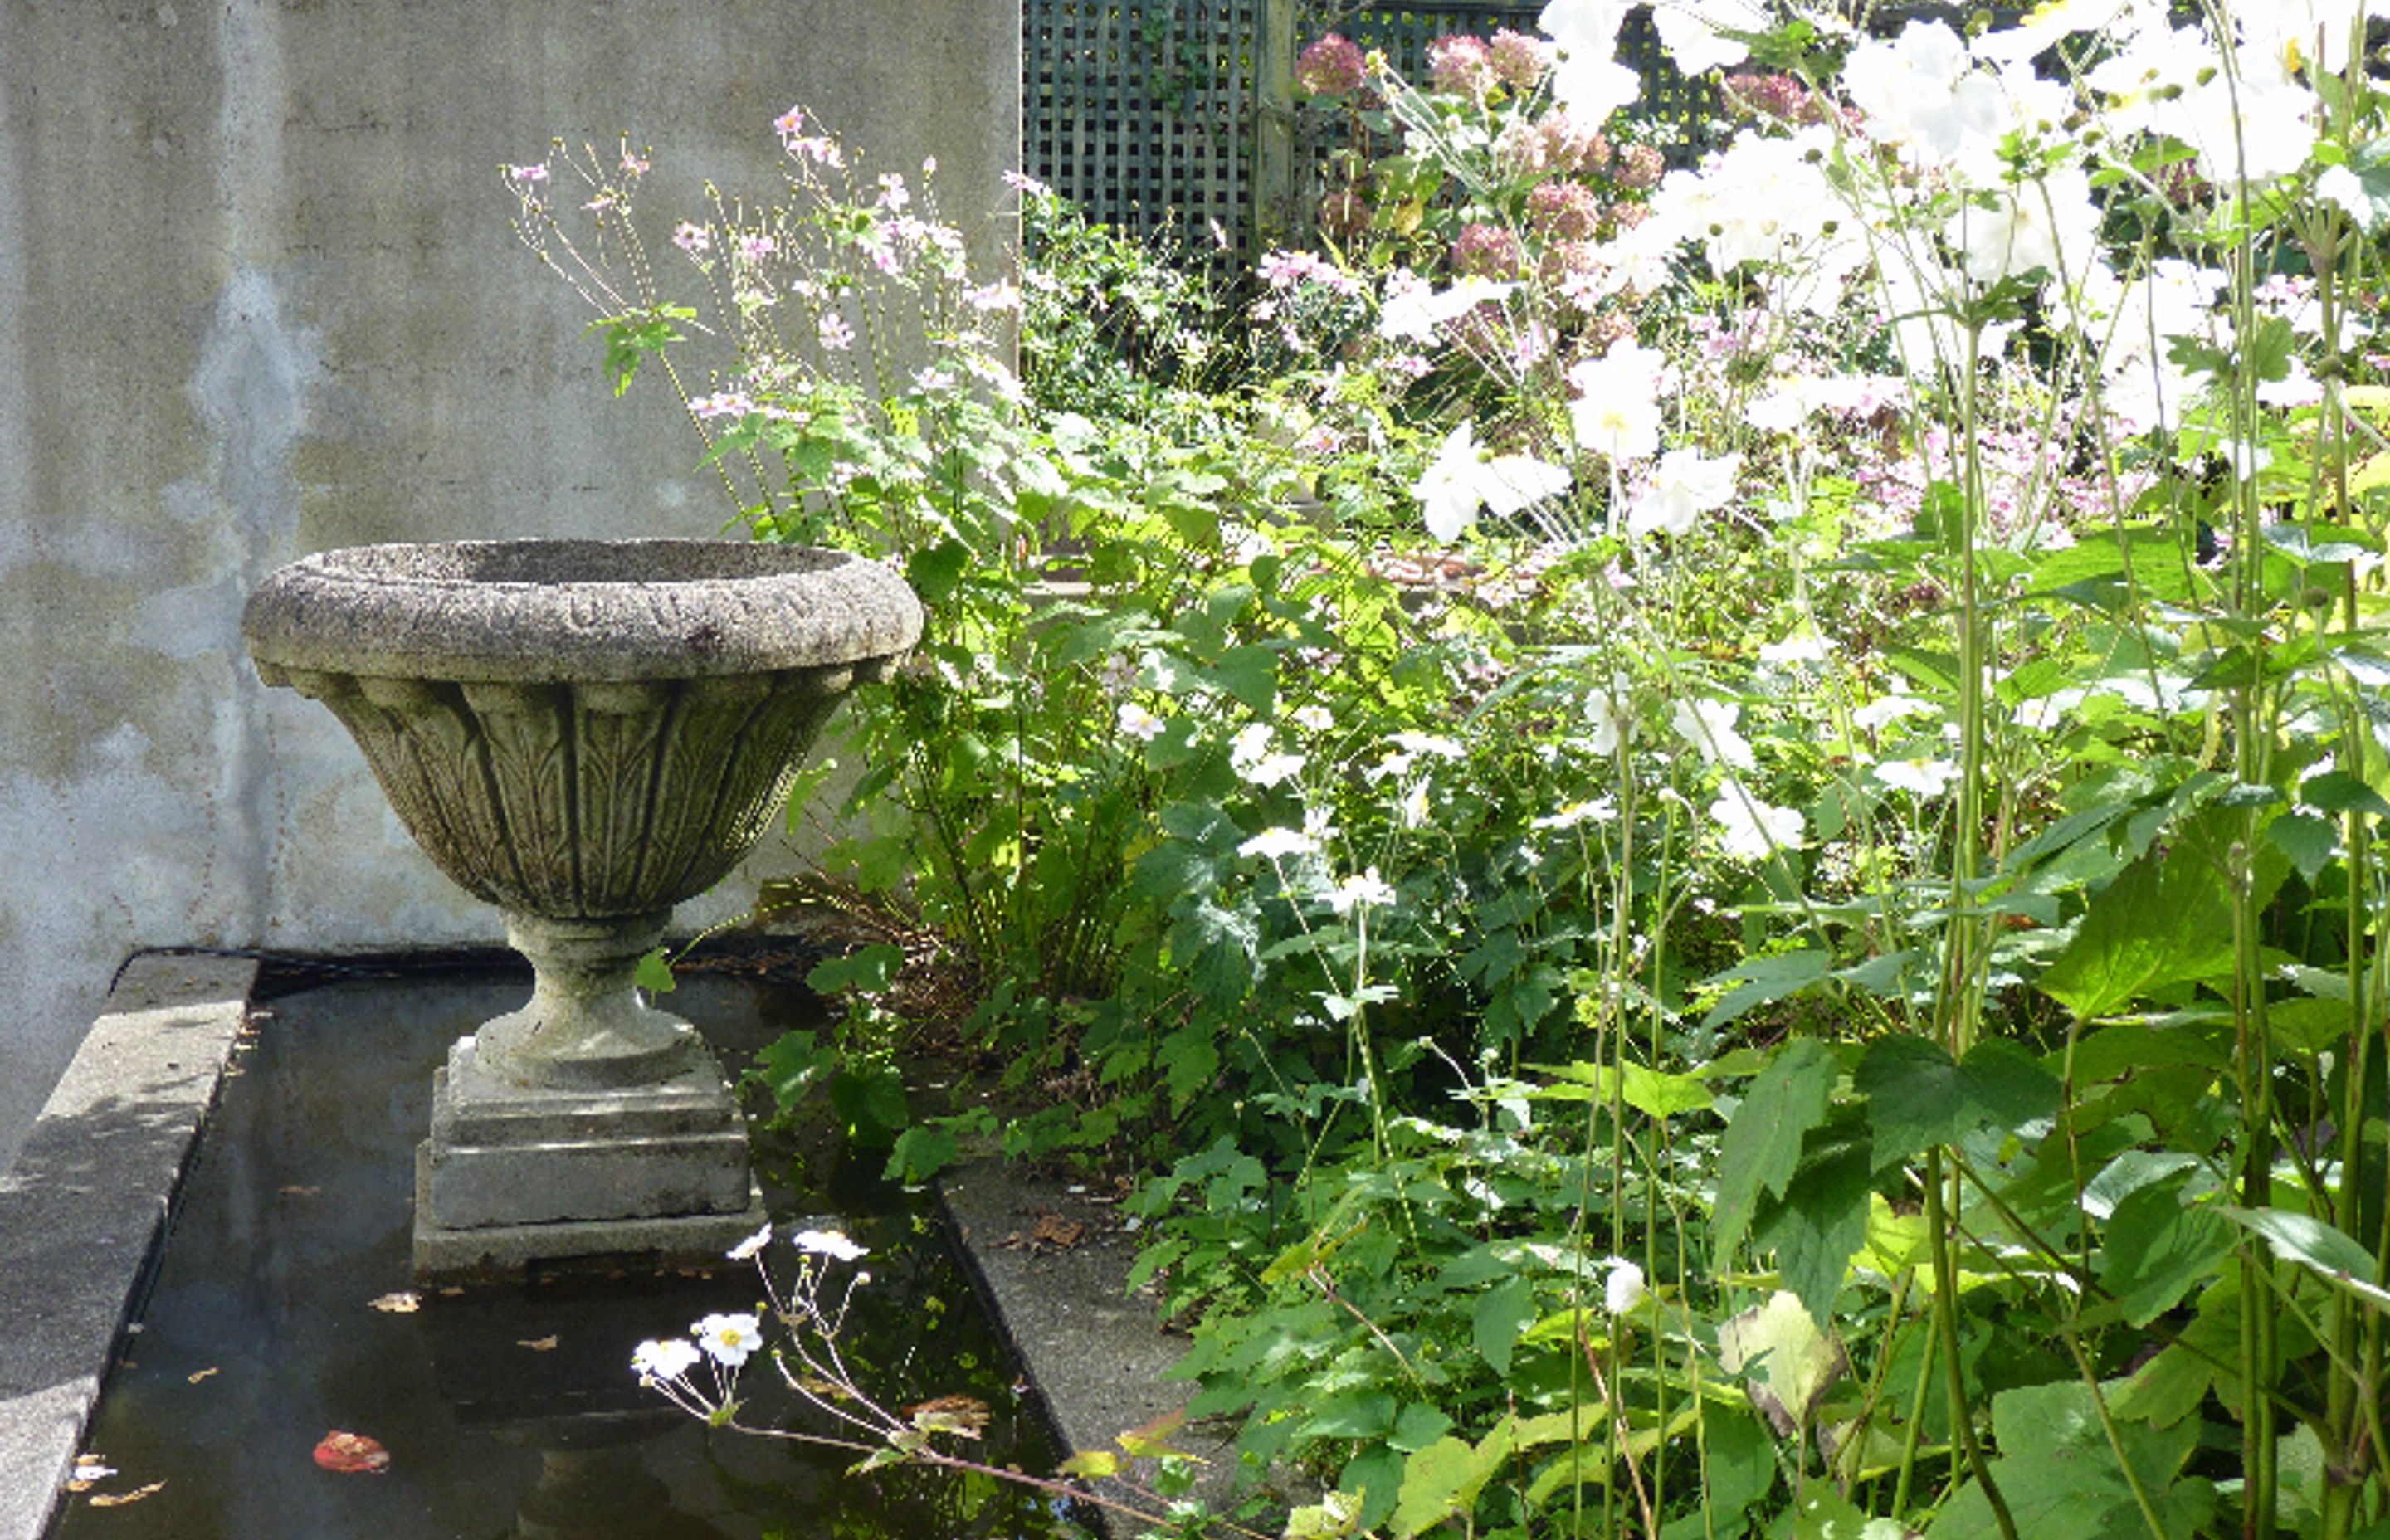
x=538, y=1344
x=118, y=1499
x=300, y=1192
x=961, y=1415
x=197, y=1375
x=1058, y=1232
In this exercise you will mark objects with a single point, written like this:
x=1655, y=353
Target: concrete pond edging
x=85, y=1204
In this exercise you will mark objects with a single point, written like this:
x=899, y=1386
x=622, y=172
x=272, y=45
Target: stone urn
x=582, y=732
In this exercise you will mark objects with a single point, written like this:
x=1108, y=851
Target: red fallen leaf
x=351, y=1454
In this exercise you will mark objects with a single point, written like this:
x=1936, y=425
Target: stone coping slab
x=85, y=1206
x=1053, y=1258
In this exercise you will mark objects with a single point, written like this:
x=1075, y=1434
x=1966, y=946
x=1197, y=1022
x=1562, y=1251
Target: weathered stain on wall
x=259, y=295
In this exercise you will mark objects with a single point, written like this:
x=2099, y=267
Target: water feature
x=506, y=1411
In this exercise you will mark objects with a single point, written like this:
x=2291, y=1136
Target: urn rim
x=569, y=611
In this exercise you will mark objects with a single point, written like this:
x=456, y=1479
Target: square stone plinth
x=571, y=1172
x=503, y=1254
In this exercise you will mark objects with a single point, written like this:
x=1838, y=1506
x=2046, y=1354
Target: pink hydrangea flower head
x=1563, y=211
x=1640, y=167
x=1488, y=250
x=1343, y=214
x=1777, y=96
x=1462, y=65
x=1520, y=60
x=1332, y=67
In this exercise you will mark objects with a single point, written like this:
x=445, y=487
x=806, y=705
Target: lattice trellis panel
x=1143, y=110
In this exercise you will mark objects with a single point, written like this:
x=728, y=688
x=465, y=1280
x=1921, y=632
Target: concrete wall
x=259, y=296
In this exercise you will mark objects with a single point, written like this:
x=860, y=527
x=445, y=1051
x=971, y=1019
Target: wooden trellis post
x=1278, y=178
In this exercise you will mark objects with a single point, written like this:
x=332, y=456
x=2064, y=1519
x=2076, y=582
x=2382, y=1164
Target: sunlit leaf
x=2167, y=919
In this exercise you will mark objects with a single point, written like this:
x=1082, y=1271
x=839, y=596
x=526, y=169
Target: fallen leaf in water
x=300, y=1192
x=197, y=1375
x=89, y=1472
x=538, y=1344
x=452, y=1293
x=405, y=1302
x=118, y=1499
x=351, y=1454
x=961, y=1415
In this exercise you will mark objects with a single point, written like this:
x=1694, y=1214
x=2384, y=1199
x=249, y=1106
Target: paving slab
x=82, y=1209
x=1053, y=1258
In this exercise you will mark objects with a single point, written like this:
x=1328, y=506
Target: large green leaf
x=2166, y=919
x=2333, y=1253
x=1762, y=1147
x=1443, y=1478
x=1650, y=1092
x=1502, y=1313
x=2061, y=1478
x=1919, y=1096
x=1763, y=981
x=2157, y=1249
x=1821, y=1222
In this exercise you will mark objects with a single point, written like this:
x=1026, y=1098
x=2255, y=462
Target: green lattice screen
x=1149, y=113
x=1142, y=112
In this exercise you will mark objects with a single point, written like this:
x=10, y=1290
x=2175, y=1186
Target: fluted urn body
x=582, y=732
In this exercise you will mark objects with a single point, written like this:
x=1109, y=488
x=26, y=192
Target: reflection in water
x=506, y=1411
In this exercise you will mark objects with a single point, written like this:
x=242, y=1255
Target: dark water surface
x=260, y=1337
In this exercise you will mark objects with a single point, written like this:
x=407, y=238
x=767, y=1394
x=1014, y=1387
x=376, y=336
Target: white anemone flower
x=1414, y=310
x=1623, y=1289
x=1278, y=843
x=1596, y=809
x=1708, y=725
x=747, y=1249
x=835, y=1244
x=1693, y=32
x=1362, y=890
x=1920, y=777
x=1616, y=412
x=1921, y=92
x=1465, y=477
x=1883, y=711
x=1751, y=830
x=2050, y=225
x=1799, y=649
x=1588, y=80
x=728, y=1339
x=1138, y=722
x=663, y=1360
x=1607, y=724
x=1684, y=486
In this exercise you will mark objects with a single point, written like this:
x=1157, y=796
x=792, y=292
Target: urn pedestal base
x=515, y=1176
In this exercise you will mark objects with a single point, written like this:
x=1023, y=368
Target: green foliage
x=1854, y=1012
